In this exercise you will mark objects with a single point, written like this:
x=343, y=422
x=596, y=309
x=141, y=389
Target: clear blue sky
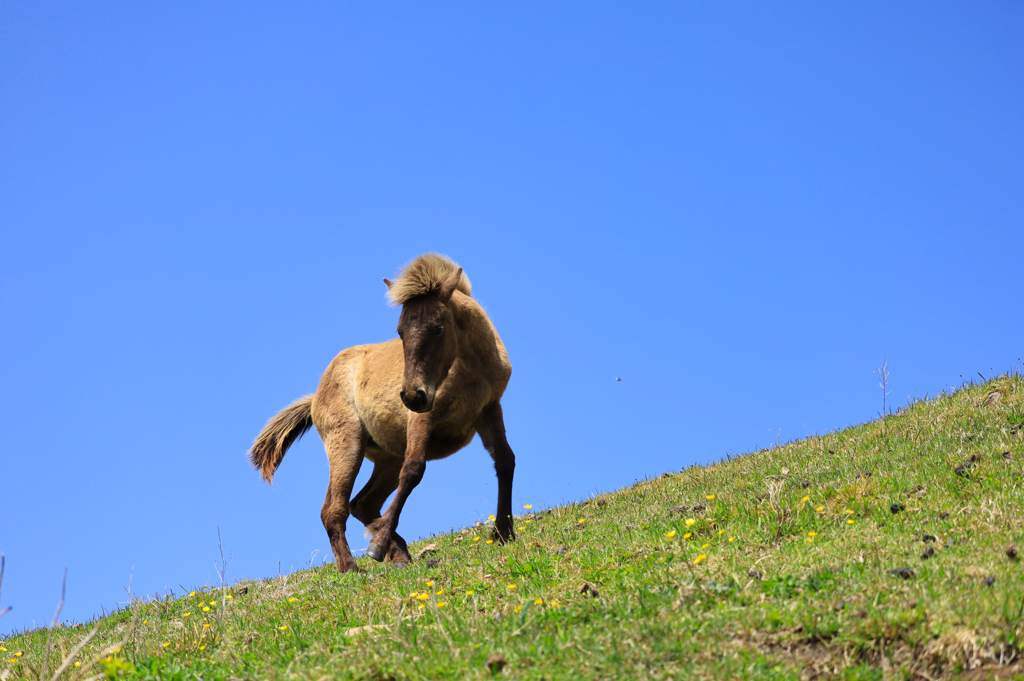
x=738, y=210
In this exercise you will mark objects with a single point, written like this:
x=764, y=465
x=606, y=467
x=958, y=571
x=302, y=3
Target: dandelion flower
x=423, y=597
x=511, y=586
x=283, y=627
x=670, y=534
x=711, y=497
x=167, y=643
x=812, y=533
x=520, y=529
x=490, y=541
x=850, y=521
x=292, y=599
x=469, y=593
x=848, y=512
x=78, y=664
x=430, y=582
x=699, y=559
x=582, y=520
x=187, y=614
x=687, y=535
x=527, y=522
x=527, y=506
x=539, y=601
x=143, y=621
x=476, y=538
x=422, y=606
x=721, y=532
x=705, y=546
x=490, y=517
x=440, y=591
x=19, y=654
x=555, y=604
x=819, y=509
x=690, y=522
x=206, y=608
x=202, y=647
x=731, y=539
x=229, y=597
x=206, y=625
x=441, y=604
x=193, y=593
x=518, y=608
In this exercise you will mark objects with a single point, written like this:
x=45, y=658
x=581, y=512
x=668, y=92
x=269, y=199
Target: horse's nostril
x=421, y=397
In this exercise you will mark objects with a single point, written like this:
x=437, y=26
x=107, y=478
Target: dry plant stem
x=53, y=624
x=112, y=649
x=74, y=651
x=2, y=561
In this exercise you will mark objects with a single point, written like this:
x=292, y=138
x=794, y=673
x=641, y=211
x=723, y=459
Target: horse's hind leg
x=367, y=504
x=345, y=453
x=491, y=427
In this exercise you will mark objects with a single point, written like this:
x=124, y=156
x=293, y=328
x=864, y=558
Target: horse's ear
x=387, y=282
x=448, y=286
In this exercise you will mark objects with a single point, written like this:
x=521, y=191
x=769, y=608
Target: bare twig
x=2, y=561
x=77, y=649
x=882, y=374
x=53, y=624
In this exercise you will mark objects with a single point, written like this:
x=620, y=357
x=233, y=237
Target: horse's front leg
x=383, y=529
x=491, y=427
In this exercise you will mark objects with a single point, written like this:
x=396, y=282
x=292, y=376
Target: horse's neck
x=477, y=334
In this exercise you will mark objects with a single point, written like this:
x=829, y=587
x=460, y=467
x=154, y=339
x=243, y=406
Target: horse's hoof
x=375, y=552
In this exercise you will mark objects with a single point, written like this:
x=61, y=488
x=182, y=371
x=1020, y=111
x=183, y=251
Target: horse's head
x=427, y=329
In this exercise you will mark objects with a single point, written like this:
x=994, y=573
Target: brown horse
x=402, y=403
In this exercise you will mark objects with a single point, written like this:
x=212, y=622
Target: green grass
x=711, y=572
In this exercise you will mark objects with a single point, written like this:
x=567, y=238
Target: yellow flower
x=812, y=533
x=283, y=627
x=430, y=582
x=527, y=506
x=699, y=559
x=3, y=650
x=441, y=604
x=206, y=609
x=721, y=532
x=143, y=621
x=582, y=520
x=440, y=591
x=732, y=539
x=292, y=599
x=19, y=654
x=705, y=546
x=670, y=534
x=518, y=608
x=539, y=601
x=490, y=517
x=819, y=509
x=850, y=521
x=711, y=497
x=187, y=614
x=687, y=535
x=422, y=606
x=78, y=664
x=202, y=647
x=805, y=500
x=490, y=541
x=469, y=593
x=193, y=593
x=848, y=512
x=166, y=644
x=206, y=625
x=519, y=529
x=527, y=522
x=555, y=604
x=229, y=597
x=423, y=597
x=690, y=522
x=511, y=586
x=476, y=538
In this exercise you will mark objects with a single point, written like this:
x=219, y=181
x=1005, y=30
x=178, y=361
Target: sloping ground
x=881, y=551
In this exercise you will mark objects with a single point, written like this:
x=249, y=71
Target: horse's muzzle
x=418, y=402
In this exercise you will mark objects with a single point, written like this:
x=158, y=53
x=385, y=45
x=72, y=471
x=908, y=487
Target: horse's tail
x=277, y=436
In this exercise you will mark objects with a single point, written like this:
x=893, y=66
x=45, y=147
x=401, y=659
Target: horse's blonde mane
x=424, y=275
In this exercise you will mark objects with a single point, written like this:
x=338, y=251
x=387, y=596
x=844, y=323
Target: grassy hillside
x=881, y=551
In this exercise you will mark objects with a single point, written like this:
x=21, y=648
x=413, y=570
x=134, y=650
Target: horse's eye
x=399, y=333
x=438, y=330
